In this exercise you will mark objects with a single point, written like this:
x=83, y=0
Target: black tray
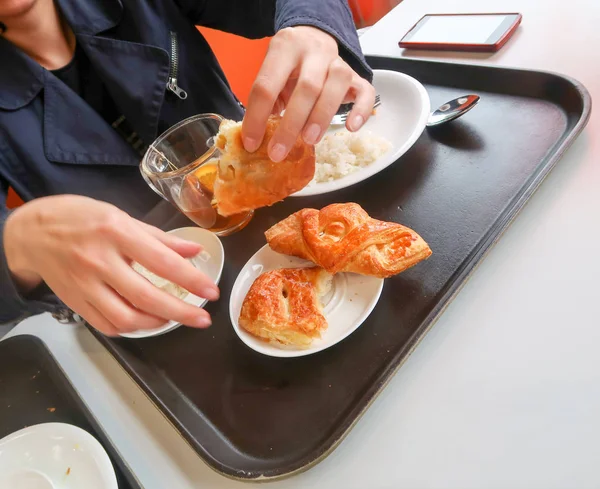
x=250, y=416
x=34, y=390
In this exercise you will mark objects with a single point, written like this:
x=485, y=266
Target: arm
x=261, y=18
x=253, y=19
x=82, y=249
x=331, y=16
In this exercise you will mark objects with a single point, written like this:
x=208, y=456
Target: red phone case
x=441, y=46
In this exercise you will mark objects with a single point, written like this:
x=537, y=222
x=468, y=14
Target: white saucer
x=54, y=456
x=401, y=119
x=350, y=303
x=210, y=262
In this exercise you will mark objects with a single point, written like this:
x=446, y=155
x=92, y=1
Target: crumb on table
x=51, y=409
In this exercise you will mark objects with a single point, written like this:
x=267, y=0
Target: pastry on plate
x=284, y=306
x=344, y=238
x=248, y=181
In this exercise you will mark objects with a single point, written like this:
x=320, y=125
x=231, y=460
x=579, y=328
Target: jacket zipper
x=173, y=67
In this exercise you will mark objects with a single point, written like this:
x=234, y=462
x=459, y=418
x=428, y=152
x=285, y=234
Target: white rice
x=343, y=152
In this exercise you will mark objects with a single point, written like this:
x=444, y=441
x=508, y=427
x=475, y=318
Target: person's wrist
x=327, y=39
x=17, y=238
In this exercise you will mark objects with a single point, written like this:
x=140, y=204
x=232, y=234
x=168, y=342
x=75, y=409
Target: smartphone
x=462, y=32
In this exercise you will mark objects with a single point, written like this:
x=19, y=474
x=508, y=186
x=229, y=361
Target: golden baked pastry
x=248, y=181
x=344, y=238
x=284, y=306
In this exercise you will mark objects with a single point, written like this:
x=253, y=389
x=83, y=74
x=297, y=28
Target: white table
x=505, y=390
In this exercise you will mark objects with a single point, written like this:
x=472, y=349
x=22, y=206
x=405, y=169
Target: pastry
x=247, y=181
x=284, y=306
x=344, y=238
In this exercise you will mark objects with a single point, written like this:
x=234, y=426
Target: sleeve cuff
x=349, y=53
x=13, y=305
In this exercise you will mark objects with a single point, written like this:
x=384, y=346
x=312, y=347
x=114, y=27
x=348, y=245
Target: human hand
x=83, y=250
x=303, y=74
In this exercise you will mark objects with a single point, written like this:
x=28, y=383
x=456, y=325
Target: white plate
x=210, y=262
x=54, y=456
x=352, y=300
x=401, y=119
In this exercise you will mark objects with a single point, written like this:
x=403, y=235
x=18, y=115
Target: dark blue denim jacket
x=52, y=142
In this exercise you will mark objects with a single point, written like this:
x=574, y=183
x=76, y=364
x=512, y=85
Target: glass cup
x=181, y=166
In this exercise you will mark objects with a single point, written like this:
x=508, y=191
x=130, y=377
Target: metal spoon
x=452, y=110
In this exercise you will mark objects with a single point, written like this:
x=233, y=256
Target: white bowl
x=54, y=456
x=210, y=262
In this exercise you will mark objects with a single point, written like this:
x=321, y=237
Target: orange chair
x=12, y=199
x=240, y=59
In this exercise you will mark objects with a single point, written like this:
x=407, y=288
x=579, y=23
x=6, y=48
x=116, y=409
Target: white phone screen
x=457, y=29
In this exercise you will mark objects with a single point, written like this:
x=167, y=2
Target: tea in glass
x=181, y=166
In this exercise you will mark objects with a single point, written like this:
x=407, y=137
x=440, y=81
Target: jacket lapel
x=134, y=74
x=75, y=133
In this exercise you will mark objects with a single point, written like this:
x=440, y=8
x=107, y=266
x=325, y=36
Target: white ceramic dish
x=210, y=262
x=54, y=456
x=350, y=303
x=401, y=119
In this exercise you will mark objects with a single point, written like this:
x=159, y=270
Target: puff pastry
x=344, y=238
x=284, y=306
x=248, y=181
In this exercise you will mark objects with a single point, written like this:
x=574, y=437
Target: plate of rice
x=345, y=158
x=210, y=261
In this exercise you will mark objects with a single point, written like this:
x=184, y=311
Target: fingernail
x=250, y=144
x=202, y=322
x=311, y=136
x=357, y=122
x=210, y=293
x=278, y=152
